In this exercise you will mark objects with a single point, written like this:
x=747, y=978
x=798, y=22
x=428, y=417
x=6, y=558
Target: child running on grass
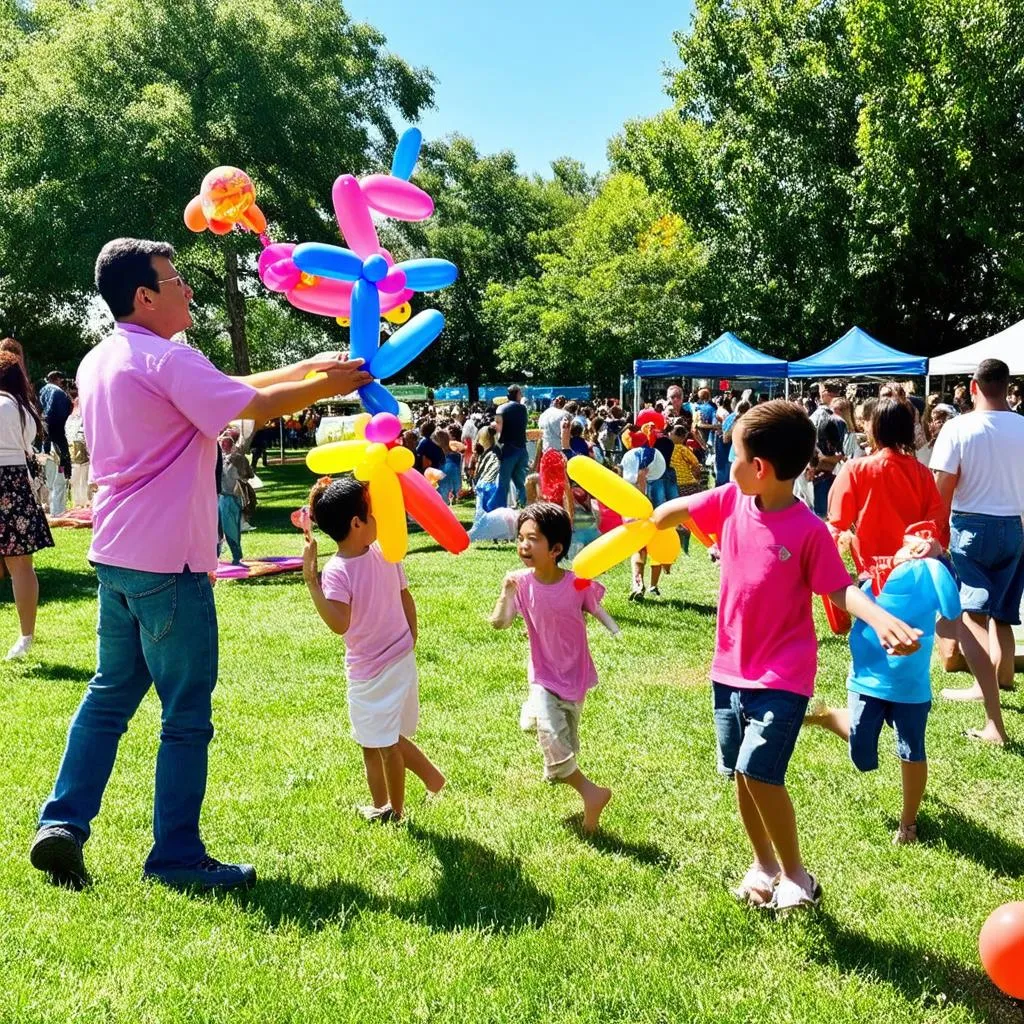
x=776, y=554
x=560, y=667
x=366, y=600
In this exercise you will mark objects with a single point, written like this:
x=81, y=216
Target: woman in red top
x=880, y=495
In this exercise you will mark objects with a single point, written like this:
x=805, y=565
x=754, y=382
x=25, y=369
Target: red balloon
x=651, y=416
x=428, y=508
x=1001, y=945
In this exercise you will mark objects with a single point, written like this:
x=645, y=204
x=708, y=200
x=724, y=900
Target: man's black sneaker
x=57, y=850
x=207, y=874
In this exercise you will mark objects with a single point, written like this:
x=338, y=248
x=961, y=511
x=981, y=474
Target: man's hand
x=343, y=377
x=895, y=635
x=322, y=362
x=309, y=563
x=917, y=547
x=845, y=542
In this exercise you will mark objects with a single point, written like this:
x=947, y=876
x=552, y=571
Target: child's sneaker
x=377, y=815
x=790, y=896
x=757, y=888
x=654, y=592
x=20, y=649
x=637, y=593
x=905, y=835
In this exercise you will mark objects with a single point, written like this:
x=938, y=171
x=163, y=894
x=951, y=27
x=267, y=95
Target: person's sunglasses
x=177, y=277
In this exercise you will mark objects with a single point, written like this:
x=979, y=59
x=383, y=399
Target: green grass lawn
x=487, y=905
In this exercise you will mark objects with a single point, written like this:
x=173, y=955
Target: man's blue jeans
x=153, y=628
x=514, y=464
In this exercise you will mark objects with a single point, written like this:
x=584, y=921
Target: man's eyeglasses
x=177, y=277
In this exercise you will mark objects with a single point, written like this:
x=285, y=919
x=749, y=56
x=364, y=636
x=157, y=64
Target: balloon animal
x=395, y=487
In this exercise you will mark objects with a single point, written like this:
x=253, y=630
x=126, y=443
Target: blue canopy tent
x=726, y=356
x=857, y=354
x=456, y=393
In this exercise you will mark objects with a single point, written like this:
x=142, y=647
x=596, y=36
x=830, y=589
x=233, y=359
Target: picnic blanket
x=75, y=519
x=253, y=567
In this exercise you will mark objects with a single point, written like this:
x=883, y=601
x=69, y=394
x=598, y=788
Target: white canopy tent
x=1007, y=345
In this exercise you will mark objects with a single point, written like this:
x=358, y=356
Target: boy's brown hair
x=780, y=433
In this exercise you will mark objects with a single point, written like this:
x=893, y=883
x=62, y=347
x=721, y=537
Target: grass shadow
x=610, y=842
x=923, y=977
x=274, y=579
x=59, y=673
x=952, y=828
x=476, y=888
x=60, y=584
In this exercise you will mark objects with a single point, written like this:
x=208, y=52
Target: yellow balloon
x=401, y=460
x=343, y=321
x=604, y=485
x=388, y=509
x=616, y=545
x=664, y=547
x=337, y=457
x=399, y=314
x=306, y=280
x=359, y=424
x=315, y=374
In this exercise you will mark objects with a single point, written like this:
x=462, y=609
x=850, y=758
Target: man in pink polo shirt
x=152, y=410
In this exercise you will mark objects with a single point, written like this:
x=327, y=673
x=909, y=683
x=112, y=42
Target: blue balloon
x=375, y=268
x=376, y=398
x=407, y=152
x=364, y=334
x=428, y=275
x=328, y=261
x=406, y=344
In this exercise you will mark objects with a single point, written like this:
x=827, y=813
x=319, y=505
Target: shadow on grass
x=59, y=673
x=949, y=826
x=610, y=842
x=923, y=977
x=476, y=888
x=274, y=579
x=57, y=584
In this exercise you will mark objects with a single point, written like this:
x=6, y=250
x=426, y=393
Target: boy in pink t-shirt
x=366, y=599
x=775, y=555
x=560, y=667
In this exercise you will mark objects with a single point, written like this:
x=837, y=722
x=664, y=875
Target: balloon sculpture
x=356, y=285
x=395, y=487
x=625, y=540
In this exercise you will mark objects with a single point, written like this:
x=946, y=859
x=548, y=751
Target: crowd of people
x=780, y=489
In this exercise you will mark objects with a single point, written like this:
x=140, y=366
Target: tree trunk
x=235, y=302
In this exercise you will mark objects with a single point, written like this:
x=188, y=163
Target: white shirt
x=16, y=437
x=631, y=466
x=469, y=431
x=550, y=423
x=987, y=449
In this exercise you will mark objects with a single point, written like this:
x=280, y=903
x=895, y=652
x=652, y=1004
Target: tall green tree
x=619, y=286
x=492, y=222
x=112, y=113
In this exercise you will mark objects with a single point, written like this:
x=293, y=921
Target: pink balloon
x=396, y=197
x=273, y=253
x=325, y=298
x=393, y=282
x=281, y=276
x=383, y=428
x=390, y=301
x=353, y=215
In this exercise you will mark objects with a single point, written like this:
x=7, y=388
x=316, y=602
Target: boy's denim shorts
x=756, y=731
x=867, y=715
x=988, y=554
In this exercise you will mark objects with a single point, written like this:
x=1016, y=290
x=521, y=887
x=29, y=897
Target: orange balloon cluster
x=227, y=197
x=1001, y=945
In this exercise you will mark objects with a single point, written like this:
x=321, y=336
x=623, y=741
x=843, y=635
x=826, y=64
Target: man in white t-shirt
x=550, y=423
x=979, y=470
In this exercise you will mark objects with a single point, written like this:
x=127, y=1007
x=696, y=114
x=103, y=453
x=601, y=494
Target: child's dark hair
x=782, y=434
x=892, y=425
x=333, y=504
x=576, y=429
x=552, y=521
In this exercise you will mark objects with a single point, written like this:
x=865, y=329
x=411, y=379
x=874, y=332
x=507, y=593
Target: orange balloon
x=226, y=193
x=220, y=227
x=195, y=219
x=705, y=538
x=428, y=508
x=839, y=621
x=254, y=219
x=664, y=547
x=1001, y=945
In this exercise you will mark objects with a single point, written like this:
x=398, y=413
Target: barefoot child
x=560, y=667
x=776, y=554
x=367, y=601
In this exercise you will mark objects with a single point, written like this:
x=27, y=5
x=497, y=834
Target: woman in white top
x=23, y=527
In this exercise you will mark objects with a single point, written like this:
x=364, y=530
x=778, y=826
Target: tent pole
x=927, y=385
x=787, y=389
x=281, y=423
x=636, y=394
x=621, y=380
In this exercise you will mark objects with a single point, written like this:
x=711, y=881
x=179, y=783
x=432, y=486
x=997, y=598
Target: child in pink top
x=560, y=667
x=366, y=599
x=776, y=554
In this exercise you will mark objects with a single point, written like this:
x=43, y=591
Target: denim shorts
x=988, y=554
x=756, y=731
x=867, y=715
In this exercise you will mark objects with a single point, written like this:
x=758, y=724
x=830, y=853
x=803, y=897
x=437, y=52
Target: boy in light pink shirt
x=775, y=555
x=366, y=599
x=561, y=670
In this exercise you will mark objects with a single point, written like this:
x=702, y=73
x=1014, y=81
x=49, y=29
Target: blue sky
x=543, y=78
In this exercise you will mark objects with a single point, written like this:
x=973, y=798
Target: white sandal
x=756, y=889
x=790, y=896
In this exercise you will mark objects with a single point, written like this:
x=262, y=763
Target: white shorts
x=387, y=706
